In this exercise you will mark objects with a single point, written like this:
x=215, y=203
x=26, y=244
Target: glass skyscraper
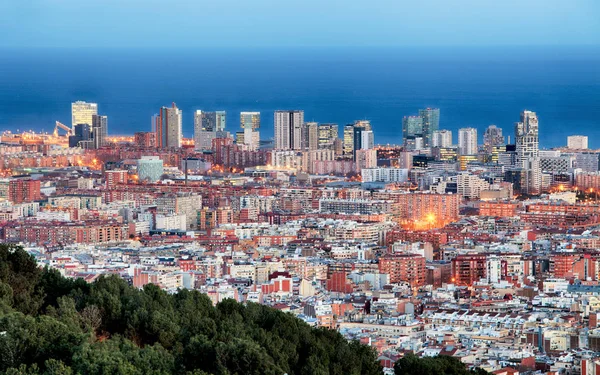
x=431, y=123
x=82, y=112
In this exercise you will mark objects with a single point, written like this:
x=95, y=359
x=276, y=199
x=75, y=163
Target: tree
x=439, y=365
x=52, y=325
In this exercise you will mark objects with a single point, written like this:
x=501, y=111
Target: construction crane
x=63, y=127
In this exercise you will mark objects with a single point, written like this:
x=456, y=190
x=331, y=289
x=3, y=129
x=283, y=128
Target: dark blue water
x=472, y=86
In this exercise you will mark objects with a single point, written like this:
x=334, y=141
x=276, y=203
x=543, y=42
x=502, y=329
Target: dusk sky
x=266, y=23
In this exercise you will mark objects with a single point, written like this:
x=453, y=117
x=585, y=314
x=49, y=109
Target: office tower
x=365, y=124
x=210, y=121
x=577, y=142
x=441, y=138
x=149, y=168
x=528, y=152
x=288, y=130
x=82, y=112
x=99, y=130
x=350, y=142
x=250, y=120
x=208, y=126
x=492, y=137
x=357, y=140
x=312, y=135
x=587, y=161
x=412, y=127
x=250, y=123
x=167, y=125
x=431, y=123
x=368, y=140
x=82, y=137
x=467, y=141
x=239, y=138
x=328, y=133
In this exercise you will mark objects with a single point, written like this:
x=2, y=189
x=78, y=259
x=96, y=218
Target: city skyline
x=324, y=187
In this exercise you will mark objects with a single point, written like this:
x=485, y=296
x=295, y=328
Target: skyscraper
x=357, y=139
x=250, y=120
x=368, y=140
x=467, y=141
x=431, y=123
x=492, y=137
x=99, y=130
x=82, y=112
x=441, y=138
x=328, y=133
x=249, y=136
x=412, y=128
x=168, y=127
x=350, y=142
x=208, y=126
x=288, y=129
x=210, y=121
x=528, y=152
x=312, y=135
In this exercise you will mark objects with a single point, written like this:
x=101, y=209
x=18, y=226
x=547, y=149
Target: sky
x=276, y=23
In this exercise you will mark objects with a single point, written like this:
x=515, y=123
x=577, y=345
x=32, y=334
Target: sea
x=472, y=86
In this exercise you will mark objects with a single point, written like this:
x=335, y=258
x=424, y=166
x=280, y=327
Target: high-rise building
x=492, y=137
x=528, y=152
x=288, y=130
x=357, y=139
x=328, y=133
x=368, y=140
x=577, y=142
x=467, y=141
x=82, y=112
x=251, y=138
x=431, y=123
x=441, y=138
x=412, y=127
x=210, y=121
x=351, y=144
x=348, y=144
x=250, y=120
x=312, y=135
x=167, y=126
x=82, y=136
x=587, y=161
x=99, y=130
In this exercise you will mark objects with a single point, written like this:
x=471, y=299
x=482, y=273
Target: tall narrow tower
x=288, y=130
x=528, y=151
x=168, y=127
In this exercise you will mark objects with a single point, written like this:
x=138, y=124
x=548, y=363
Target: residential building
x=441, y=138
x=288, y=129
x=167, y=125
x=467, y=141
x=528, y=153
